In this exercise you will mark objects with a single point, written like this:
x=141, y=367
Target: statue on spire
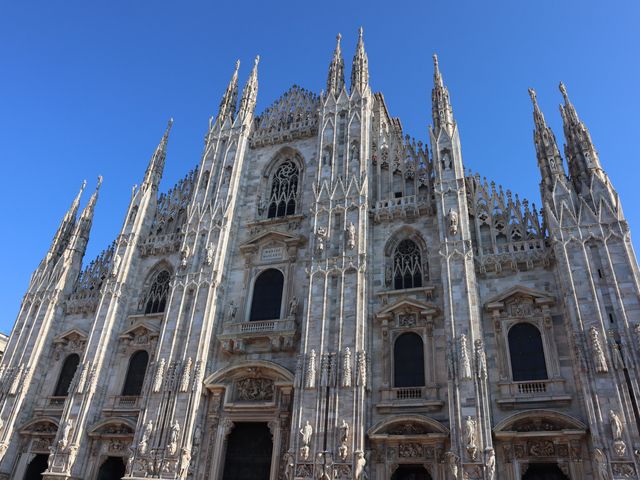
x=360, y=66
x=335, y=80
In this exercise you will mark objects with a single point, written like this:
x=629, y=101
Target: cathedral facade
x=323, y=297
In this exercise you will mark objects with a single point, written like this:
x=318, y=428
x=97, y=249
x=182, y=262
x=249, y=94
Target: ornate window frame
x=268, y=250
x=149, y=281
x=524, y=305
x=405, y=233
x=284, y=155
x=405, y=316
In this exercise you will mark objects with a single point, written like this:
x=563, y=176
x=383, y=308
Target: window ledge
x=279, y=332
x=427, y=290
x=541, y=392
x=261, y=222
x=416, y=398
x=122, y=403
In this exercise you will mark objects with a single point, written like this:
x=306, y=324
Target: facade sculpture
x=323, y=296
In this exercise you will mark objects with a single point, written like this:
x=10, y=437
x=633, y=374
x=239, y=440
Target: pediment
x=408, y=305
x=72, y=335
x=407, y=426
x=516, y=295
x=113, y=427
x=537, y=422
x=272, y=245
x=44, y=426
x=262, y=369
x=141, y=333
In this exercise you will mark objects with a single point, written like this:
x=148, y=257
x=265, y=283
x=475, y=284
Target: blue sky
x=86, y=88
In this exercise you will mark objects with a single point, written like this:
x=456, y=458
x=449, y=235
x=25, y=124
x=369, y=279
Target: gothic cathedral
x=323, y=297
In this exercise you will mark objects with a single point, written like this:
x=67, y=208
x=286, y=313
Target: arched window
x=407, y=265
x=135, y=374
x=156, y=298
x=69, y=368
x=527, y=353
x=267, y=295
x=284, y=190
x=408, y=361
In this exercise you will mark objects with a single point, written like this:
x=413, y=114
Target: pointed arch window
x=527, y=353
x=407, y=265
x=408, y=361
x=67, y=373
x=284, y=190
x=267, y=295
x=155, y=299
x=135, y=374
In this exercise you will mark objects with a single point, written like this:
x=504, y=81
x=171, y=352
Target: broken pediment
x=519, y=301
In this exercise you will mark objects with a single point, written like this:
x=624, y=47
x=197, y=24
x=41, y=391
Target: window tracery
x=284, y=190
x=407, y=265
x=155, y=299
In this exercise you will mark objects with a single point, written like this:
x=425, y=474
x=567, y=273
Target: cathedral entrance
x=249, y=448
x=544, y=471
x=112, y=469
x=36, y=467
x=411, y=472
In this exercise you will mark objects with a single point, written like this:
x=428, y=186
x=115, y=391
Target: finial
x=169, y=125
x=532, y=94
x=338, y=37
x=84, y=184
x=360, y=31
x=237, y=65
x=99, y=182
x=435, y=60
x=256, y=61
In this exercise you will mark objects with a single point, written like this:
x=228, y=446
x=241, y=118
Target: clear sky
x=86, y=88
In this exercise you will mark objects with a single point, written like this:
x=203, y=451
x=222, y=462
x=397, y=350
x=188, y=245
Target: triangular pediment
x=518, y=292
x=140, y=328
x=73, y=334
x=408, y=305
x=270, y=237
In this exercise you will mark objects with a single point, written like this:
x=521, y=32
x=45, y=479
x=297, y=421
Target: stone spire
x=66, y=226
x=155, y=168
x=229, y=99
x=549, y=159
x=440, y=103
x=83, y=228
x=360, y=67
x=250, y=91
x=581, y=155
x=335, y=79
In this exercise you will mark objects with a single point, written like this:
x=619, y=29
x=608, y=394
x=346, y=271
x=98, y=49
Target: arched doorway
x=544, y=471
x=36, y=467
x=112, y=469
x=249, y=448
x=411, y=472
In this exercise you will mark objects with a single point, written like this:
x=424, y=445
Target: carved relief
x=255, y=389
x=346, y=368
x=465, y=361
x=598, y=354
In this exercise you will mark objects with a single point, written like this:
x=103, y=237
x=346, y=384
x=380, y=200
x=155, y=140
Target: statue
x=601, y=464
x=616, y=425
x=157, y=380
x=293, y=307
x=362, y=368
x=361, y=462
x=209, y=252
x=481, y=360
x=321, y=234
x=174, y=433
x=452, y=463
x=129, y=468
x=66, y=430
x=52, y=456
x=289, y=464
x=231, y=313
x=452, y=217
x=470, y=432
x=146, y=435
x=490, y=462
x=343, y=450
x=185, y=461
x=117, y=259
x=184, y=256
x=351, y=236
x=306, y=431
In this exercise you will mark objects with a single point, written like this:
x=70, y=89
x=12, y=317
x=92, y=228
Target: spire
x=440, y=103
x=155, y=168
x=250, y=91
x=549, y=159
x=360, y=67
x=582, y=157
x=230, y=98
x=335, y=80
x=66, y=226
x=85, y=221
